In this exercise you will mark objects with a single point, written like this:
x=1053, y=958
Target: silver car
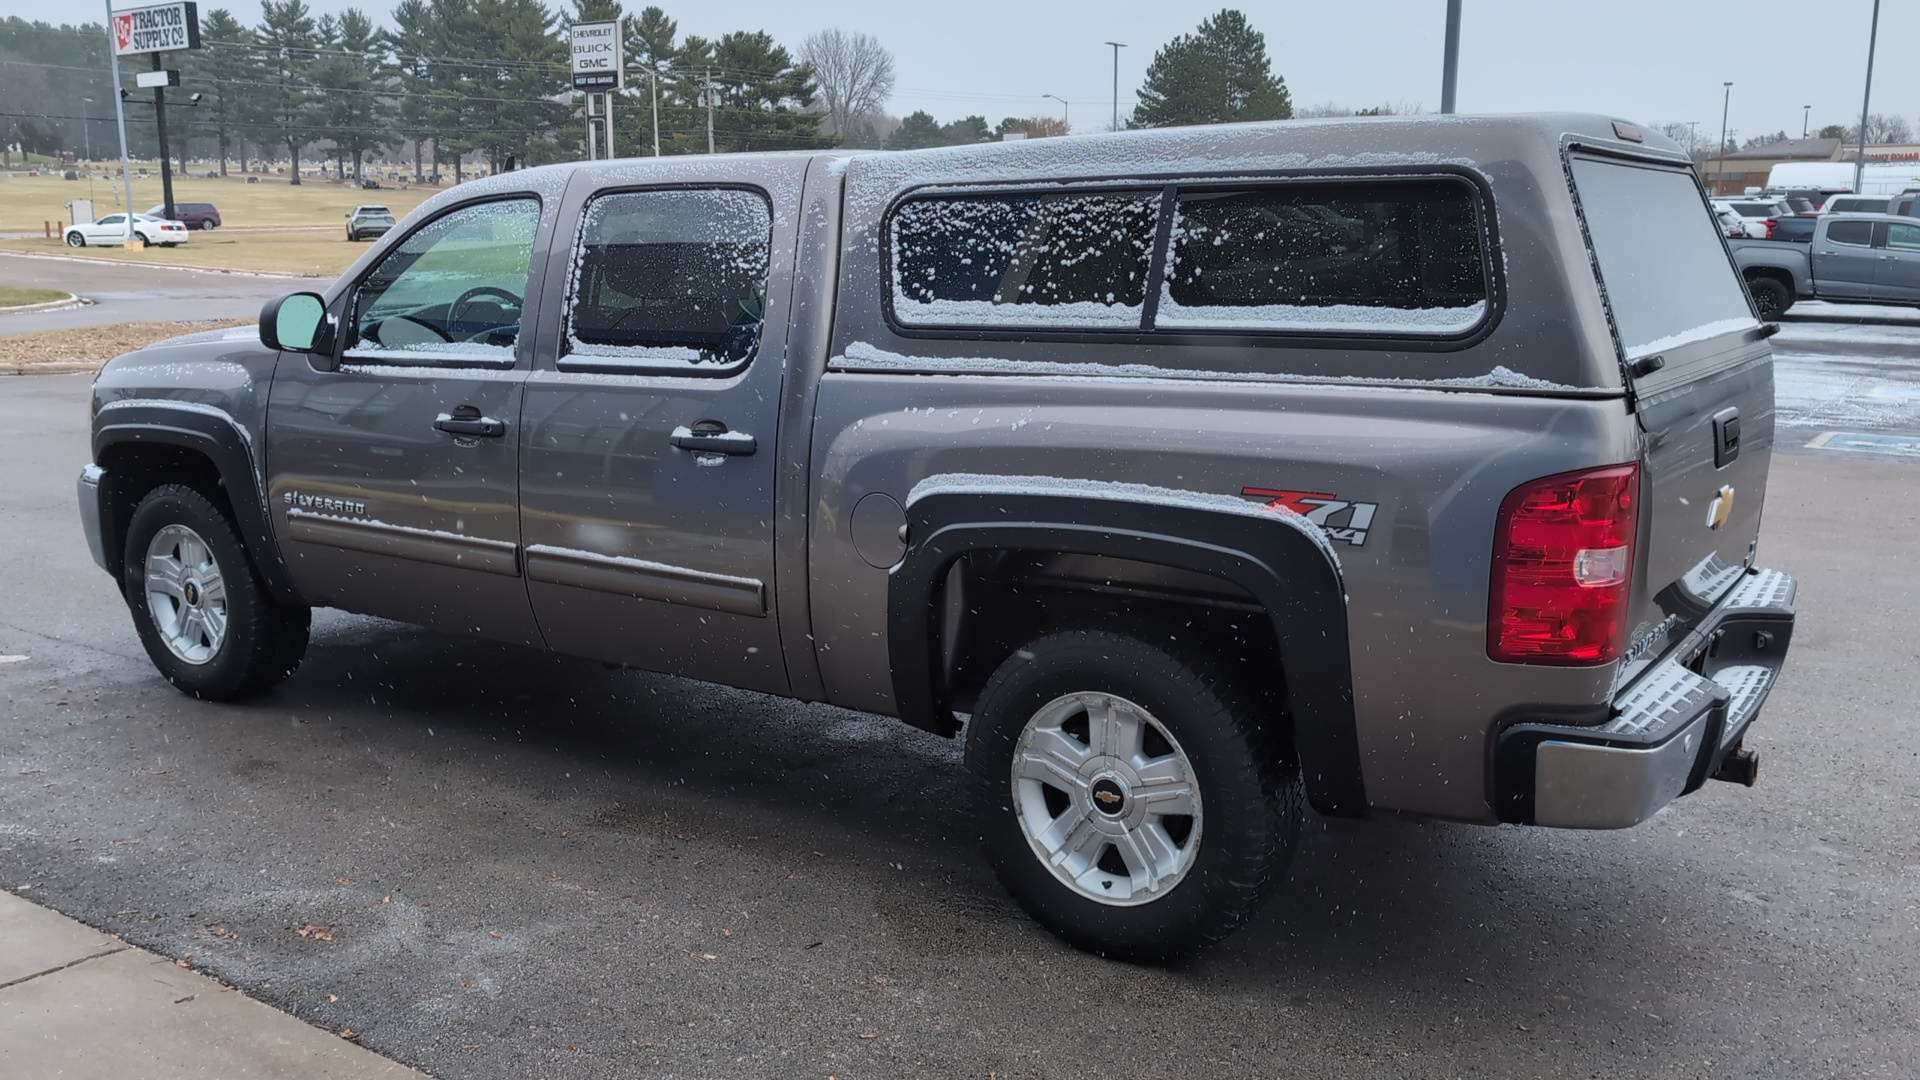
x=1401, y=467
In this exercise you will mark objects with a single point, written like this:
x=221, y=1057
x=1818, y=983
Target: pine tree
x=349, y=78
x=283, y=100
x=1218, y=75
x=222, y=66
x=917, y=131
x=409, y=45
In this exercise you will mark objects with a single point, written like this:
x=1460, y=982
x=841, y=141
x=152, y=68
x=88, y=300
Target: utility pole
x=120, y=114
x=1721, y=153
x=1450, y=64
x=1693, y=137
x=654, y=82
x=1806, y=116
x=709, y=96
x=1873, y=39
x=1117, y=46
x=1064, y=110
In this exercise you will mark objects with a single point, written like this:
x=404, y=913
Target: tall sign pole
x=1860, y=165
x=1450, y=64
x=120, y=116
x=1117, y=46
x=154, y=30
x=597, y=67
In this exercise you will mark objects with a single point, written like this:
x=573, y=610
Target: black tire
x=1251, y=797
x=76, y=240
x=1770, y=297
x=145, y=242
x=206, y=225
x=264, y=641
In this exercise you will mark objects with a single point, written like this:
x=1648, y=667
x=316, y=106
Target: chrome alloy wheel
x=186, y=595
x=1106, y=798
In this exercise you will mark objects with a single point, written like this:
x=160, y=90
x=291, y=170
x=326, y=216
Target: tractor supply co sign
x=161, y=28
x=596, y=56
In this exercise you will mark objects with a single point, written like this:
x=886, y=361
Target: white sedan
x=112, y=229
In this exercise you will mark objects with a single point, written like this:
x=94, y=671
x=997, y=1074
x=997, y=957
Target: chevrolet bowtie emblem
x=1722, y=507
x=1107, y=797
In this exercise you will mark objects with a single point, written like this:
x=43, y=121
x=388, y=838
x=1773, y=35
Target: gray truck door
x=394, y=475
x=1843, y=259
x=1896, y=273
x=648, y=466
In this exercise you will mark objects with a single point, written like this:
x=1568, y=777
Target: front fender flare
x=1281, y=562
x=215, y=435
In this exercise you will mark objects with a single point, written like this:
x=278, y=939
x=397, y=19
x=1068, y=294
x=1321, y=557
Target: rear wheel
x=1134, y=802
x=204, y=616
x=1771, y=297
x=206, y=225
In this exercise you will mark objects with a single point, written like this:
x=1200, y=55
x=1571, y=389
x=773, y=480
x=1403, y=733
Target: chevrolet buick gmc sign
x=596, y=55
x=160, y=28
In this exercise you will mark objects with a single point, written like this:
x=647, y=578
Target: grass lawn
x=310, y=252
x=14, y=296
x=96, y=343
x=28, y=201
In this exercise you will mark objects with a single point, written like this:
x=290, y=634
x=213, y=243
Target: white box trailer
x=1879, y=178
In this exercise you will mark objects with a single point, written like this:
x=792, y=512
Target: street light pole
x=1693, y=137
x=1450, y=64
x=1721, y=153
x=1063, y=111
x=1873, y=39
x=1806, y=116
x=1117, y=46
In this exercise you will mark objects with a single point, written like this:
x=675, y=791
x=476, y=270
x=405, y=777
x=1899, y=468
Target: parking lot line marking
x=1865, y=443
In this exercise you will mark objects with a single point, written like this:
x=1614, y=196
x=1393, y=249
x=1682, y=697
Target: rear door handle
x=712, y=437
x=458, y=422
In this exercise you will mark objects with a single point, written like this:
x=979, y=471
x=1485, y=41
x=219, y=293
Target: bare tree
x=855, y=73
x=1882, y=128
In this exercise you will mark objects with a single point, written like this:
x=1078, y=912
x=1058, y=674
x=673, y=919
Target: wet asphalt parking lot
x=494, y=863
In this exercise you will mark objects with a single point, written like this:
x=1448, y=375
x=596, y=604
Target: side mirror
x=293, y=322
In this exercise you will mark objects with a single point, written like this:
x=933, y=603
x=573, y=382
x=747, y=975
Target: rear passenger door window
x=1357, y=257
x=1859, y=233
x=672, y=279
x=1041, y=261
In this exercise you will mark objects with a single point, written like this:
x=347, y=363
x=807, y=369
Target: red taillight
x=1562, y=567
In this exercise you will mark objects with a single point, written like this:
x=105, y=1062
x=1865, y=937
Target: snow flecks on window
x=1357, y=256
x=455, y=286
x=676, y=276
x=1688, y=337
x=1023, y=260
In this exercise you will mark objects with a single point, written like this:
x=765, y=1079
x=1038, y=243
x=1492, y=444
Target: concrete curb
x=68, y=367
x=165, y=266
x=72, y=300
x=76, y=1002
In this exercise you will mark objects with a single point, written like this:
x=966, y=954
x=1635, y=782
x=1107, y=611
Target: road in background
x=495, y=863
x=122, y=293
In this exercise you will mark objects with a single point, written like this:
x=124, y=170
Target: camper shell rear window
x=1388, y=256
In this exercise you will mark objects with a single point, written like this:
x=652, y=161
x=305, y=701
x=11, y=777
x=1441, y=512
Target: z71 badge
x=1343, y=520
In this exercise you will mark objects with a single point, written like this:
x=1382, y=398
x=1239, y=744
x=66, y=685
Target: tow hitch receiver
x=1740, y=766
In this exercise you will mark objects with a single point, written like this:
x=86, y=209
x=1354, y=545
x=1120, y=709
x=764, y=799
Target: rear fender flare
x=215, y=435
x=1283, y=562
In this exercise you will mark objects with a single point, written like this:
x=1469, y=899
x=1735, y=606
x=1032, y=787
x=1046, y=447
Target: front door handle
x=712, y=437
x=466, y=420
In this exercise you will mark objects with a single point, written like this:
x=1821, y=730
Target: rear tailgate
x=1702, y=376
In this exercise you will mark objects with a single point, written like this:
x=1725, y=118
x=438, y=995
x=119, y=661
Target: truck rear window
x=1662, y=262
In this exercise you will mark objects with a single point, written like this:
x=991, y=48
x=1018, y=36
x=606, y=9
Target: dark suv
x=194, y=215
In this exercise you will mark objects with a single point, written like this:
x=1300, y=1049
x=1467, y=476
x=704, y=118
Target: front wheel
x=1135, y=803
x=1771, y=297
x=75, y=240
x=204, y=616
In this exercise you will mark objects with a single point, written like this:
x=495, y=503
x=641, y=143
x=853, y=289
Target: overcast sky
x=1652, y=61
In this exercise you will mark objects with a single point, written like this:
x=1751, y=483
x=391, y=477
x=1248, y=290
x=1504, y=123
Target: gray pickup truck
x=1852, y=258
x=1391, y=467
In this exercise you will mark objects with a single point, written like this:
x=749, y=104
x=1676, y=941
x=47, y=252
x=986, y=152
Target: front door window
x=453, y=290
